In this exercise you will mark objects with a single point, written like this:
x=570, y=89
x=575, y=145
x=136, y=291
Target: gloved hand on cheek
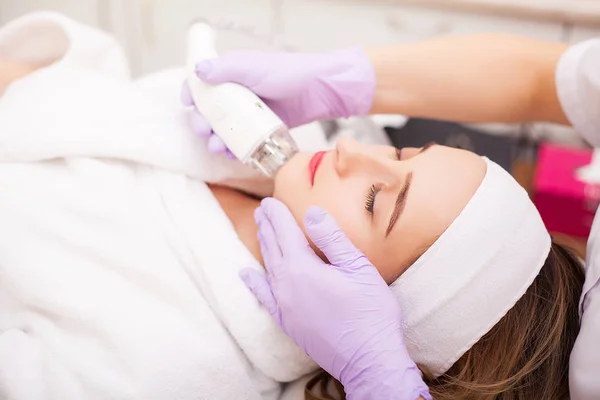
x=342, y=314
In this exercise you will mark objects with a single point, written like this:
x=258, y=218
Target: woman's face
x=392, y=204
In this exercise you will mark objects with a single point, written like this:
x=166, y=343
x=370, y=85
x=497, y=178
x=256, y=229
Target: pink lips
x=313, y=165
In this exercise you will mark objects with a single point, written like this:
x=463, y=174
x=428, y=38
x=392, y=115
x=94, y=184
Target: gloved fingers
x=186, y=95
x=269, y=246
x=285, y=113
x=259, y=286
x=326, y=234
x=199, y=124
x=219, y=71
x=201, y=127
x=230, y=155
x=234, y=67
x=289, y=235
x=216, y=145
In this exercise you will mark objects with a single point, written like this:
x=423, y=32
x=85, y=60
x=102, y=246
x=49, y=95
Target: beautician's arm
x=12, y=70
x=476, y=78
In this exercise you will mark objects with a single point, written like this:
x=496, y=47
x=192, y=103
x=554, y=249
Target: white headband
x=473, y=274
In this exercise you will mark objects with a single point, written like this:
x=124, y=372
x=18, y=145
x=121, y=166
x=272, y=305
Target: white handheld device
x=250, y=129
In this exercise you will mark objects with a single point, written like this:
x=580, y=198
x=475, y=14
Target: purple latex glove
x=299, y=87
x=342, y=314
x=201, y=127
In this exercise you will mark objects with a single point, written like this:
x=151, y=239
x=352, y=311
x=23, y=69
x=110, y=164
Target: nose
x=355, y=158
x=349, y=153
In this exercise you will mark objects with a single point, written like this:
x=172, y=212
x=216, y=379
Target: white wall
x=152, y=31
x=83, y=10
x=379, y=23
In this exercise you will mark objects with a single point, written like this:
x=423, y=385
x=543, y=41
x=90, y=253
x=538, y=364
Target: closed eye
x=422, y=150
x=370, y=201
x=427, y=147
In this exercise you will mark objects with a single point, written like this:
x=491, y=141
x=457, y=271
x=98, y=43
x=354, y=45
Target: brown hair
x=526, y=354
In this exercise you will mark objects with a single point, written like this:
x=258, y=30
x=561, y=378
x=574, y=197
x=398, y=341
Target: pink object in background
x=566, y=204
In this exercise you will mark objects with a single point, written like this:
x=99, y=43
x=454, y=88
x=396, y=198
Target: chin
x=292, y=182
x=293, y=176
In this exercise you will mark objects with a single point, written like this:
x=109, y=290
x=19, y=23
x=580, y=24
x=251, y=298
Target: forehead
x=444, y=180
x=453, y=173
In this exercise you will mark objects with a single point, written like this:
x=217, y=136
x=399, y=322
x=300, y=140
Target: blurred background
x=152, y=33
x=152, y=30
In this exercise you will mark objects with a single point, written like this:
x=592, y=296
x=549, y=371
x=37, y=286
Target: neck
x=240, y=210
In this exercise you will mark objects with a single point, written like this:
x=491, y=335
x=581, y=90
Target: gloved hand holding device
x=299, y=87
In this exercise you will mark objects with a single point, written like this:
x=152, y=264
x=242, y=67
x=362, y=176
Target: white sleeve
x=578, y=87
x=44, y=38
x=584, y=367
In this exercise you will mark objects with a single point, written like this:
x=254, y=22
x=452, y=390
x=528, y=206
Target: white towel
x=118, y=269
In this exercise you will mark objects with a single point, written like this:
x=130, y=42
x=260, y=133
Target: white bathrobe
x=118, y=268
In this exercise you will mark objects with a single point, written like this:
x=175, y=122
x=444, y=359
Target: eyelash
x=370, y=202
x=373, y=190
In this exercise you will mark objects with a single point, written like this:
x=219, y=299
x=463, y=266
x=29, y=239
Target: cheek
x=332, y=199
x=389, y=263
x=292, y=186
x=345, y=204
x=344, y=200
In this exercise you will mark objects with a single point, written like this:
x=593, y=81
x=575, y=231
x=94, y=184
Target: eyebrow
x=401, y=199
x=427, y=147
x=400, y=203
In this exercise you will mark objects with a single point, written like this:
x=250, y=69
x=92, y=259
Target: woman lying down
x=122, y=237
